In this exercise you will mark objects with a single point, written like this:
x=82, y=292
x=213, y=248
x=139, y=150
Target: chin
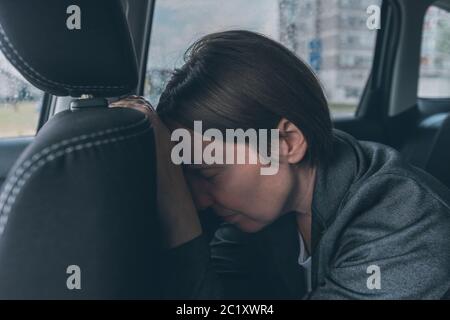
x=249, y=226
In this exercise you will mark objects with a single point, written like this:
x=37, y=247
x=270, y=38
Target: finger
x=133, y=101
x=142, y=105
x=136, y=98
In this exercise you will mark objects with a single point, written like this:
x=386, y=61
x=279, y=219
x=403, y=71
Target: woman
x=339, y=219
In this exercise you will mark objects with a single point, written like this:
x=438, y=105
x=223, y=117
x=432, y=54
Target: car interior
x=81, y=190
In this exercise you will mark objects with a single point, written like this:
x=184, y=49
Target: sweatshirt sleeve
x=228, y=267
x=188, y=272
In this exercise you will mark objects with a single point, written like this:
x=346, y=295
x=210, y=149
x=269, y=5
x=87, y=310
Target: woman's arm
x=177, y=212
x=187, y=268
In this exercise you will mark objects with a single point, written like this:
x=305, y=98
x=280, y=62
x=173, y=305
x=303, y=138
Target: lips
x=225, y=214
x=229, y=218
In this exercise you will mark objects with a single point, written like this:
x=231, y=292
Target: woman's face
x=240, y=194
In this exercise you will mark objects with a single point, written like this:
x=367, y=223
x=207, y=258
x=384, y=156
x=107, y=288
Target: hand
x=177, y=212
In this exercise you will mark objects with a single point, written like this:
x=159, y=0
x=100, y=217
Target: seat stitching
x=26, y=164
x=8, y=202
x=11, y=182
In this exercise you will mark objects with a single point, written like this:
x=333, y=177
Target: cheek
x=255, y=196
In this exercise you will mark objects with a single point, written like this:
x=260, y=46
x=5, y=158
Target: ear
x=293, y=145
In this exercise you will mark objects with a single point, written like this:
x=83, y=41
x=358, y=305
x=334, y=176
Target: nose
x=200, y=194
x=202, y=200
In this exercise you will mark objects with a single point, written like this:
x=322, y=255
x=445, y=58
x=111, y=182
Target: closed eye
x=208, y=174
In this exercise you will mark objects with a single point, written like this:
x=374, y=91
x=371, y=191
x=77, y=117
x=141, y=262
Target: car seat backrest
x=78, y=209
x=428, y=146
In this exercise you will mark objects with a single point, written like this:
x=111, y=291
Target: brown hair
x=240, y=79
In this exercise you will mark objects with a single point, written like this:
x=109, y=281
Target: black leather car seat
x=428, y=146
x=78, y=209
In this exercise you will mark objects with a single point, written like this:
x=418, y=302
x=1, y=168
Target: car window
x=434, y=81
x=19, y=103
x=331, y=36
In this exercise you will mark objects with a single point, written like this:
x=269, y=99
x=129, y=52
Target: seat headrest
x=70, y=47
